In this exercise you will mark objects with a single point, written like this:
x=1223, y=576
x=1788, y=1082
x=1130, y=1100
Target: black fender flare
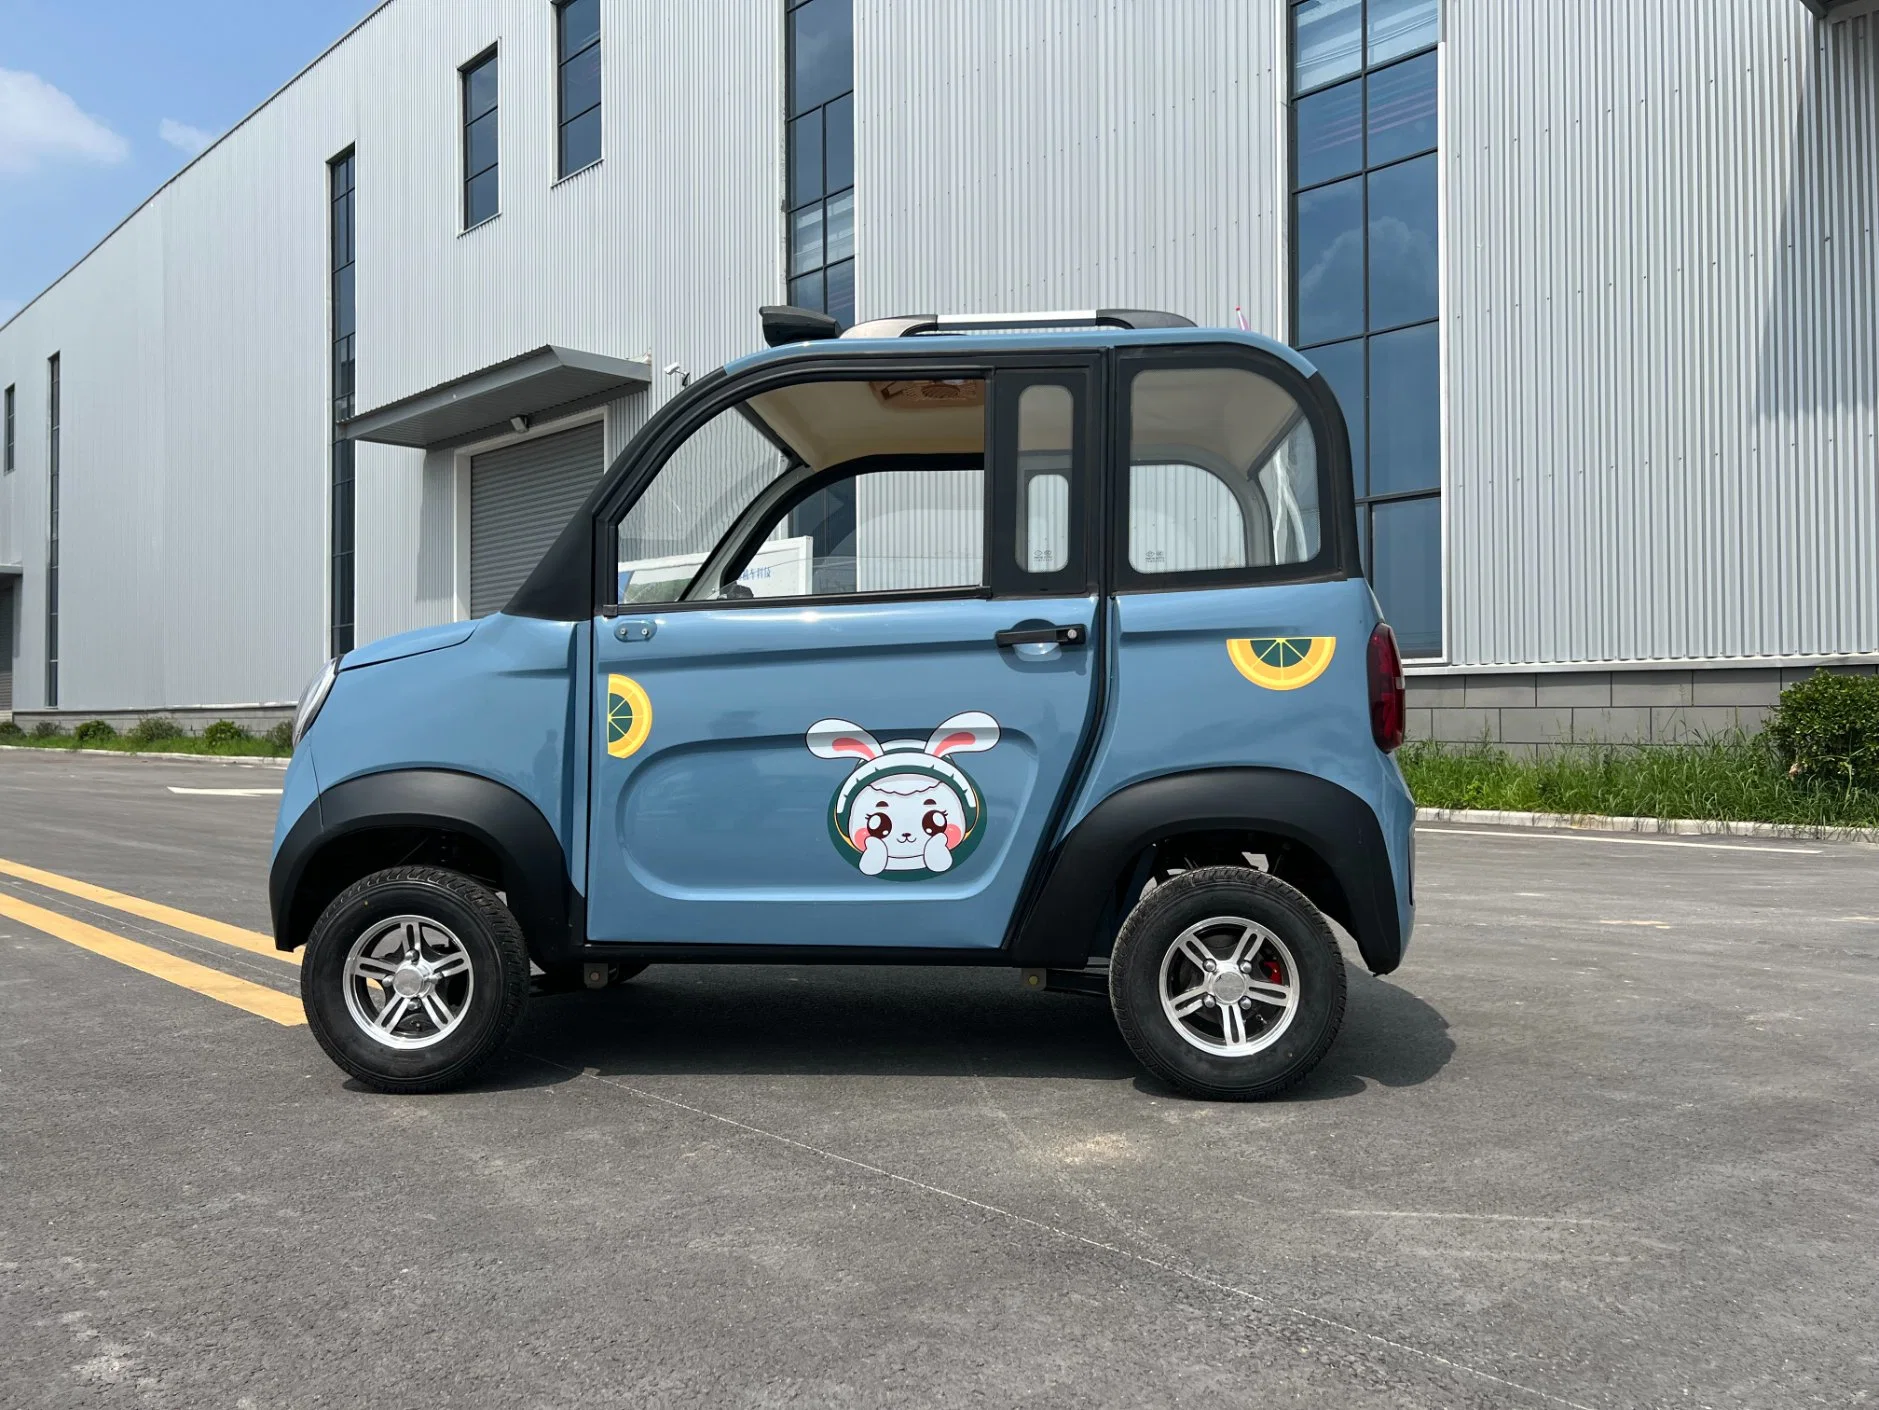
x=498, y=821
x=1080, y=892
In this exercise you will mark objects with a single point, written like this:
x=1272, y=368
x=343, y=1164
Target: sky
x=102, y=101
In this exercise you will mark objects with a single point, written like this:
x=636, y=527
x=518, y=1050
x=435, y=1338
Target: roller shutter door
x=521, y=497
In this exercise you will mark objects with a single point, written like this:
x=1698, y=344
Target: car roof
x=1026, y=340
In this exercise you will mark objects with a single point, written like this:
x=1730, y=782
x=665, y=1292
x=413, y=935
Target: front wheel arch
x=432, y=817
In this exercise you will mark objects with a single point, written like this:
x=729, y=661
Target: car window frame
x=639, y=465
x=1336, y=558
x=1085, y=375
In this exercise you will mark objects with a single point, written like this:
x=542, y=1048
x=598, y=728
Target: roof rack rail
x=909, y=325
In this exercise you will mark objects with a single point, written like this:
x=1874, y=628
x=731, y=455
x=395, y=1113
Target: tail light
x=1386, y=689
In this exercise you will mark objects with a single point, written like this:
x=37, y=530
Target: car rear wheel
x=1227, y=983
x=413, y=978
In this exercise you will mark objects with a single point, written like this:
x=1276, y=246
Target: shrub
x=152, y=729
x=1826, y=728
x=47, y=729
x=10, y=730
x=224, y=732
x=94, y=732
x=281, y=736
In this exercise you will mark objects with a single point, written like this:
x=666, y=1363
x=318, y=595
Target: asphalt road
x=1608, y=1139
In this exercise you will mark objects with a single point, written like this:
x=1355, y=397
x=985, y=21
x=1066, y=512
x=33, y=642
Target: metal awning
x=12, y=570
x=547, y=380
x=1825, y=8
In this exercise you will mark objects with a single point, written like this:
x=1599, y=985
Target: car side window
x=914, y=530
x=817, y=489
x=1222, y=477
x=1183, y=518
x=671, y=529
x=1046, y=429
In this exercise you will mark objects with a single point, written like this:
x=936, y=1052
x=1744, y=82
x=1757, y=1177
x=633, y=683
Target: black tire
x=1306, y=946
x=498, y=977
x=567, y=978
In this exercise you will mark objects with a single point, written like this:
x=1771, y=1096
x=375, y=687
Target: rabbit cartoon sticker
x=905, y=811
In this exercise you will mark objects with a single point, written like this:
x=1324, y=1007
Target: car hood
x=416, y=643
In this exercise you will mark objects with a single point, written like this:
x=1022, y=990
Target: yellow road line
x=250, y=940
x=243, y=994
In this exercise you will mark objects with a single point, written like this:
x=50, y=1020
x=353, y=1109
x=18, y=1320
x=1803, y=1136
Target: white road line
x=1625, y=841
x=227, y=792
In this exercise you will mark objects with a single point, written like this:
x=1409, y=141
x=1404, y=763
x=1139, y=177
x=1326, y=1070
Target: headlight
x=313, y=697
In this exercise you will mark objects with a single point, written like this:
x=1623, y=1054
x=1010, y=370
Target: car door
x=840, y=702
x=1242, y=621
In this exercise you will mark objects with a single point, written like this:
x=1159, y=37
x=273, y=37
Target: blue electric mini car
x=1035, y=641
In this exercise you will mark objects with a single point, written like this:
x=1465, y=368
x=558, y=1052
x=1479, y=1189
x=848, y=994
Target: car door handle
x=1042, y=636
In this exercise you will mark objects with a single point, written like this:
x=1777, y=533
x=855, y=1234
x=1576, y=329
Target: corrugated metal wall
x=1071, y=154
x=6, y=643
x=1660, y=299
x=1662, y=331
x=195, y=340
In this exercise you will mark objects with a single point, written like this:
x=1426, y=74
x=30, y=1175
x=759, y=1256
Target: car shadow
x=827, y=1020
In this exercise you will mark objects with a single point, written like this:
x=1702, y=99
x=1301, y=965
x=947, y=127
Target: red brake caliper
x=1274, y=970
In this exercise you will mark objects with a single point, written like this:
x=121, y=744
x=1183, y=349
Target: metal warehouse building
x=1598, y=285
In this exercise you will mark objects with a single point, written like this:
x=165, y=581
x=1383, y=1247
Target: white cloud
x=40, y=123
x=186, y=139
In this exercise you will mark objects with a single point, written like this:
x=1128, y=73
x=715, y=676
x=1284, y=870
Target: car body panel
x=1178, y=703
x=500, y=704
x=411, y=643
x=721, y=826
x=300, y=792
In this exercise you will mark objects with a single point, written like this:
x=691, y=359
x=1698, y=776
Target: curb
x=270, y=760
x=1682, y=827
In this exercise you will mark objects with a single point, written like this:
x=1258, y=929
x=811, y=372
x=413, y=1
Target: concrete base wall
x=1528, y=712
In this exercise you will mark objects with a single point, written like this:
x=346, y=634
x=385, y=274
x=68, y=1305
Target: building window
x=821, y=148
x=577, y=36
x=1365, y=277
x=52, y=528
x=341, y=176
x=481, y=195
x=9, y=451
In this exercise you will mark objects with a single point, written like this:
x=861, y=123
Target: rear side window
x=1223, y=478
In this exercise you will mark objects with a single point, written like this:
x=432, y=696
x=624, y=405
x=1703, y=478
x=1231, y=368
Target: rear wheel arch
x=427, y=817
x=1319, y=837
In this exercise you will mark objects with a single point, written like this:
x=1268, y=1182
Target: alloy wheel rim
x=1229, y=986
x=408, y=982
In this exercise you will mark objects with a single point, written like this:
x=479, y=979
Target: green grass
x=1734, y=779
x=184, y=744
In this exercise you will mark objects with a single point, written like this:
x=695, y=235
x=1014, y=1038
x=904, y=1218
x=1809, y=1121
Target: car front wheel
x=1227, y=983
x=413, y=978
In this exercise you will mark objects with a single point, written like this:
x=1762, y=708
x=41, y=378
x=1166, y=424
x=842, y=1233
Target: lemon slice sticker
x=1281, y=662
x=629, y=716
